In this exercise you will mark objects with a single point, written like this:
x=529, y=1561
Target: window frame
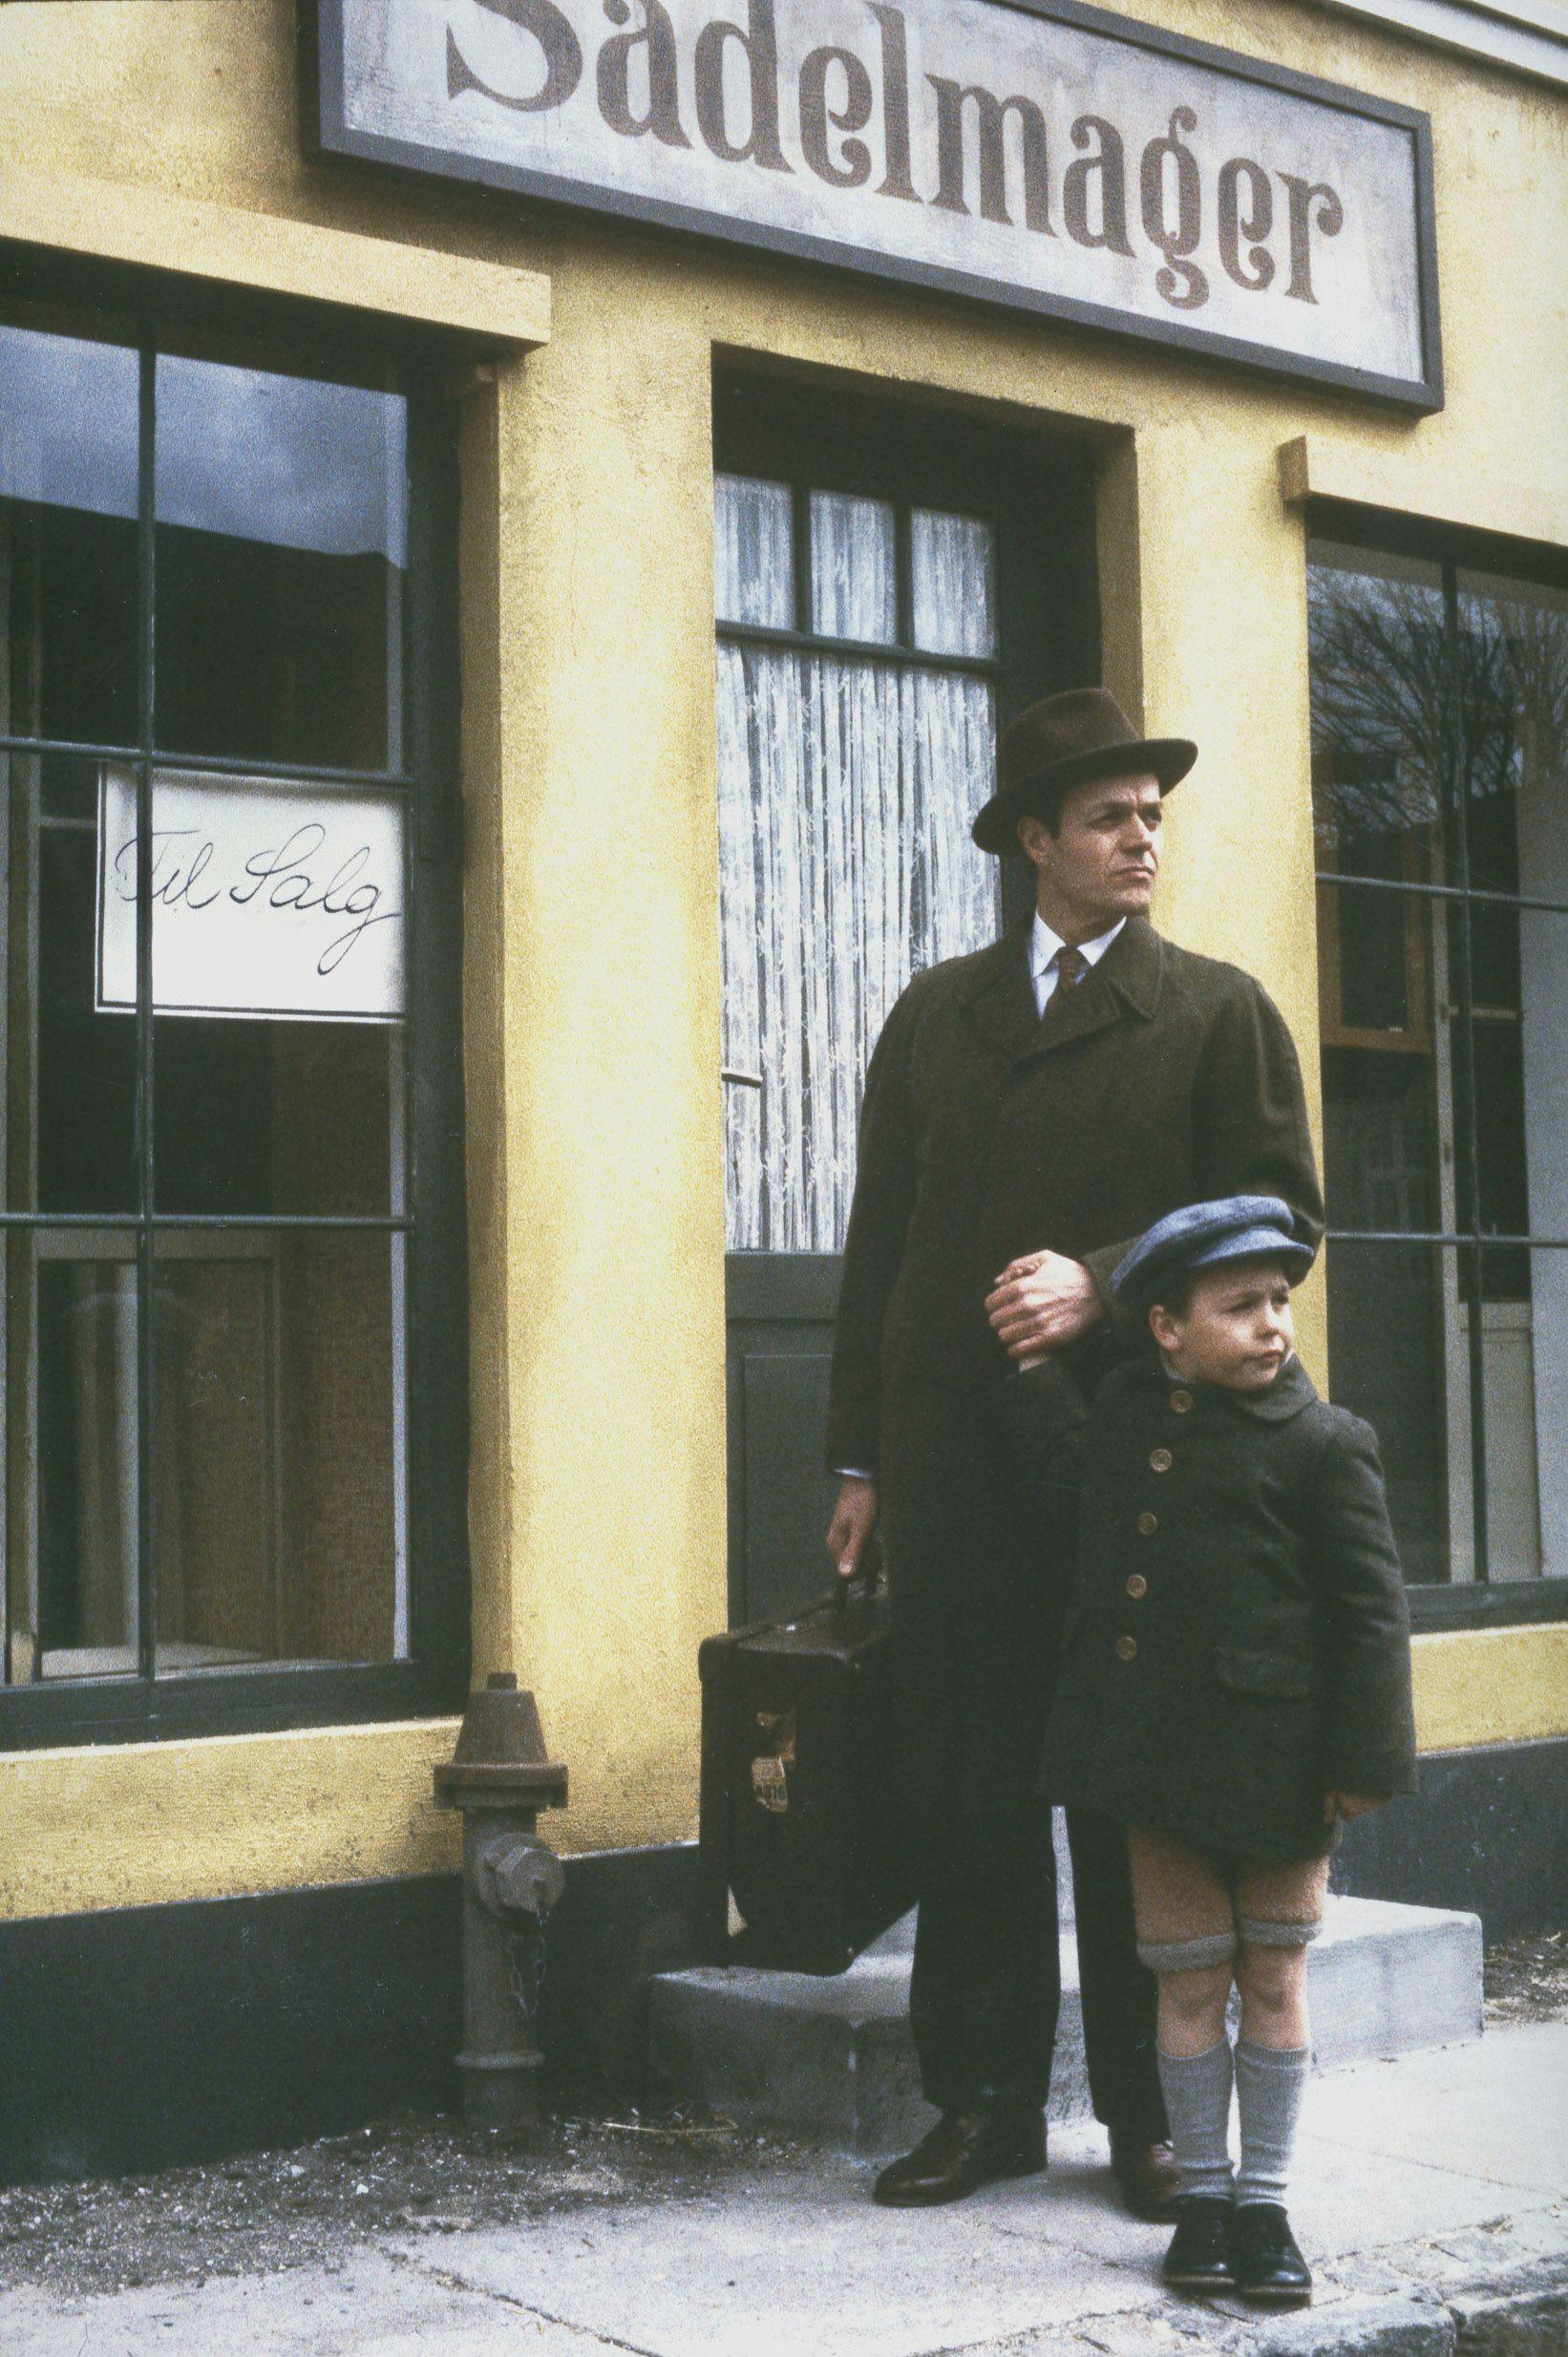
x=156, y=310
x=1479, y=1601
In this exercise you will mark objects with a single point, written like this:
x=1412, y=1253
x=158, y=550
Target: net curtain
x=846, y=790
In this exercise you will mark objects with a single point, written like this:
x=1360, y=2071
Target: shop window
x=1440, y=771
x=220, y=947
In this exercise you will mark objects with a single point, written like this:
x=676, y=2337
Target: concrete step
x=832, y=2059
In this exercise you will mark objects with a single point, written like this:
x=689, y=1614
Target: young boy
x=1235, y=1683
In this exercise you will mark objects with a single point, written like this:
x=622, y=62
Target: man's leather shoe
x=1145, y=2171
x=1199, y=2256
x=963, y=2152
x=1265, y=2263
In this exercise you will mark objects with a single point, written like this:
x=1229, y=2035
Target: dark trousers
x=987, y=1984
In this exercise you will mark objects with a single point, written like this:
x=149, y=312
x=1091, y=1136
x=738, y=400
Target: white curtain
x=846, y=792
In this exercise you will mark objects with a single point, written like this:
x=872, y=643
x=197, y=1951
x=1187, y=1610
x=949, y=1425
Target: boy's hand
x=1348, y=1806
x=1041, y=1302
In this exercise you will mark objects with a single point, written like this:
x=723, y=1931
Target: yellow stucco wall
x=598, y=1508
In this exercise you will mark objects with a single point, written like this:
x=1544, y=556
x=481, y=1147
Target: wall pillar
x=596, y=1180
x=1203, y=589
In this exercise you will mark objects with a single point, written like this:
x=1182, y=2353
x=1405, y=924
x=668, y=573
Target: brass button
x=1180, y=1402
x=1126, y=1648
x=1138, y=1586
x=1148, y=1524
x=1161, y=1461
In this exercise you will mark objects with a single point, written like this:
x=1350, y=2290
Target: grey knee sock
x=1198, y=2102
x=1270, y=2082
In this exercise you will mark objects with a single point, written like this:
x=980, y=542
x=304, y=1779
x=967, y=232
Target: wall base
x=1487, y=1832
x=144, y=2037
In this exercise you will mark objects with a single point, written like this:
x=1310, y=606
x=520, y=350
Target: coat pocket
x=1277, y=1676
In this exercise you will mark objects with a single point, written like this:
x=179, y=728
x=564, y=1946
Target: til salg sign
x=1028, y=152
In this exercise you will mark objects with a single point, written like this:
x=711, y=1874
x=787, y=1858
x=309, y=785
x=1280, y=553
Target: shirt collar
x=1045, y=945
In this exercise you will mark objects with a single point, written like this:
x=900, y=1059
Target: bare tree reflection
x=1412, y=709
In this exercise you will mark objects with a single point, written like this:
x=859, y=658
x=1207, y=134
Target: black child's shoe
x=1265, y=2263
x=1199, y=2256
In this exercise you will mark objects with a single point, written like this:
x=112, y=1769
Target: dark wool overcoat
x=1238, y=1642
x=1161, y=1079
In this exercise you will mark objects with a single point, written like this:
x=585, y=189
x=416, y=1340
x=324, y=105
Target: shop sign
x=1033, y=152
x=266, y=899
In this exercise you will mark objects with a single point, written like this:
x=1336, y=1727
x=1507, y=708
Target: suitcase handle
x=868, y=1571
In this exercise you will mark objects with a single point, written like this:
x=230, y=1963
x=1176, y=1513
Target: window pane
x=291, y=1117
x=753, y=553
x=73, y=1415
x=1509, y=1335
x=1549, y=1389
x=279, y=1447
x=281, y=506
x=1397, y=1356
x=1378, y=681
x=1514, y=702
x=68, y=538
x=854, y=569
x=954, y=562
x=1502, y=1185
x=1381, y=1163
x=846, y=791
x=1380, y=977
x=69, y=1068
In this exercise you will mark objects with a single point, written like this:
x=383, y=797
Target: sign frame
x=191, y=887
x=331, y=135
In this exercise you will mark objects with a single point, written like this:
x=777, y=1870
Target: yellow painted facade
x=595, y=1168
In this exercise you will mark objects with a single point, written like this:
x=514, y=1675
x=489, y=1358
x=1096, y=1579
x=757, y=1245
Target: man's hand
x=854, y=1520
x=1349, y=1806
x=1042, y=1302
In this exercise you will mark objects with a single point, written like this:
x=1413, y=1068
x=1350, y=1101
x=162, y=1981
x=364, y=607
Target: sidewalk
x=1433, y=2198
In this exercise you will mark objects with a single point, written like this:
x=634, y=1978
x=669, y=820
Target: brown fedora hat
x=1063, y=742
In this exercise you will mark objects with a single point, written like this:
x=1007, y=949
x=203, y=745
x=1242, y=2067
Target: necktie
x=1071, y=966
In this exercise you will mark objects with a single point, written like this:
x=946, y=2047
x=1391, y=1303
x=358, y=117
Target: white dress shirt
x=1046, y=946
x=1044, y=949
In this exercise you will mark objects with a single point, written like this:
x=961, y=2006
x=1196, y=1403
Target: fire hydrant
x=500, y=1778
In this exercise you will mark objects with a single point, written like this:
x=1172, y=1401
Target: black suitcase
x=803, y=1851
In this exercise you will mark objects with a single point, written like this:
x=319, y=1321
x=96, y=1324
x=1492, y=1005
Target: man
x=1028, y=1112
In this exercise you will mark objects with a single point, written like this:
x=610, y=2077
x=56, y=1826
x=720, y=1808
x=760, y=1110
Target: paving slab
x=373, y=2305
x=1497, y=2109
x=1431, y=2197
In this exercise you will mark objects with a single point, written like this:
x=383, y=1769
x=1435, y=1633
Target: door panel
x=780, y=1342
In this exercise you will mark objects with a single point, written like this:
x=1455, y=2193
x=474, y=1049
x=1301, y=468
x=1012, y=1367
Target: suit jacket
x=1238, y=1639
x=986, y=1132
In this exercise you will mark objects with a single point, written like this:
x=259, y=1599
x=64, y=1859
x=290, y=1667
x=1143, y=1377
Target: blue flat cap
x=1235, y=1228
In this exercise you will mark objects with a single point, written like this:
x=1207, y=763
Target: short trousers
x=1192, y=1906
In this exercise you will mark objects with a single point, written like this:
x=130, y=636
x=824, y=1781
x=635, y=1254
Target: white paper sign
x=267, y=899
x=1033, y=152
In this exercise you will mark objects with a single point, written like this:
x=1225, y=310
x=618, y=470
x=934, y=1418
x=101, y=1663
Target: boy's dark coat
x=1163, y=1078
x=1238, y=1639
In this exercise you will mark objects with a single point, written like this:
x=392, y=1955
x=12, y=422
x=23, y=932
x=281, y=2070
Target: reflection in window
x=846, y=792
x=245, y=1395
x=280, y=548
x=68, y=536
x=1440, y=770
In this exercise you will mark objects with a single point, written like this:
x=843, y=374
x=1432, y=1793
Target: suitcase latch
x=770, y=1769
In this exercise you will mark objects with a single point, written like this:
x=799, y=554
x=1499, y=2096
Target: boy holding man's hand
x=1236, y=1680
